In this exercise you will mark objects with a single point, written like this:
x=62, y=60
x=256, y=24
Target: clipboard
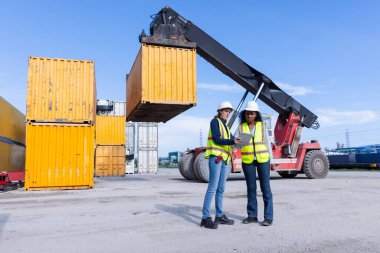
x=245, y=139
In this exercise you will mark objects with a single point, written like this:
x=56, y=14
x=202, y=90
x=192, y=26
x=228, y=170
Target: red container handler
x=4, y=180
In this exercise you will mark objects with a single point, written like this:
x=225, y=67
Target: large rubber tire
x=196, y=171
x=285, y=174
x=180, y=166
x=186, y=166
x=315, y=164
x=201, y=168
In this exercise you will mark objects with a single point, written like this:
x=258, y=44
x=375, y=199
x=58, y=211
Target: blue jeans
x=217, y=181
x=263, y=171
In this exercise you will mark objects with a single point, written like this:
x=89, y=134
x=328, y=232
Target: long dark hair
x=243, y=119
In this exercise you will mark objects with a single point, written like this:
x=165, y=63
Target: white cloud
x=218, y=87
x=331, y=117
x=181, y=133
x=295, y=90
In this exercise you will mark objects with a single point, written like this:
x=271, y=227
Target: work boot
x=250, y=220
x=224, y=220
x=267, y=222
x=208, y=223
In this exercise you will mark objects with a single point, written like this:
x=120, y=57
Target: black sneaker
x=208, y=223
x=250, y=220
x=224, y=220
x=267, y=222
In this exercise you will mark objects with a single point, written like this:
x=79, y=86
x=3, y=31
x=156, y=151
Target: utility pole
x=347, y=139
x=200, y=138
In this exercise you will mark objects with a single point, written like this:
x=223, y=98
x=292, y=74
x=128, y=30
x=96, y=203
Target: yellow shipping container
x=161, y=83
x=12, y=157
x=110, y=161
x=110, y=130
x=12, y=122
x=60, y=90
x=59, y=156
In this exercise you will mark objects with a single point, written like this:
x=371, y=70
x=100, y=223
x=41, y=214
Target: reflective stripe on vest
x=257, y=145
x=216, y=149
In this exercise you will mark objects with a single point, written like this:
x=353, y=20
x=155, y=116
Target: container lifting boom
x=168, y=22
x=168, y=28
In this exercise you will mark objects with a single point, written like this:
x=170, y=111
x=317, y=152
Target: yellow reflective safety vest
x=216, y=149
x=257, y=145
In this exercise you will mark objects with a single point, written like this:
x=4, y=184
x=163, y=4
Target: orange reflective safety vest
x=257, y=145
x=216, y=149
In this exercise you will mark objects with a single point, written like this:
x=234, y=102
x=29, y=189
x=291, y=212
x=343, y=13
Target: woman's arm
x=216, y=134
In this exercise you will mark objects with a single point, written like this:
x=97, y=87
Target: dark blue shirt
x=216, y=134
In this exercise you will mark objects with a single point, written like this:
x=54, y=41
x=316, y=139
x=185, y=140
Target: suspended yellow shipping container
x=110, y=130
x=12, y=122
x=59, y=156
x=60, y=90
x=110, y=161
x=161, y=83
x=12, y=157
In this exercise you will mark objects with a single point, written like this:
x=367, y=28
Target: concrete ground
x=161, y=213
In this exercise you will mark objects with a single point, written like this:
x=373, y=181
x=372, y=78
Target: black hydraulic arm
x=231, y=65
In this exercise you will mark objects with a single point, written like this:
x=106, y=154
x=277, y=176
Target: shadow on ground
x=3, y=220
x=191, y=214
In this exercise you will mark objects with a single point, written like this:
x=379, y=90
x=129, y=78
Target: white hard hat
x=224, y=105
x=252, y=106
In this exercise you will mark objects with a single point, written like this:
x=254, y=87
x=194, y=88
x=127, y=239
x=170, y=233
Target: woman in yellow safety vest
x=218, y=151
x=256, y=155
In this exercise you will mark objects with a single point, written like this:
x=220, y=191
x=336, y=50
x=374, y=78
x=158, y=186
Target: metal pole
x=236, y=112
x=259, y=91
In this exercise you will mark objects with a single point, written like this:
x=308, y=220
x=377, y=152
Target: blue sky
x=324, y=53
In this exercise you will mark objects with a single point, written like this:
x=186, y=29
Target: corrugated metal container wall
x=130, y=130
x=147, y=161
x=61, y=90
x=118, y=108
x=161, y=83
x=59, y=156
x=147, y=135
x=12, y=122
x=110, y=130
x=12, y=157
x=110, y=161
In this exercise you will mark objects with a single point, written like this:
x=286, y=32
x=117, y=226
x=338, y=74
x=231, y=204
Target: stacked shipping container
x=110, y=130
x=130, y=130
x=110, y=146
x=147, y=147
x=12, y=141
x=60, y=114
x=140, y=142
x=142, y=146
